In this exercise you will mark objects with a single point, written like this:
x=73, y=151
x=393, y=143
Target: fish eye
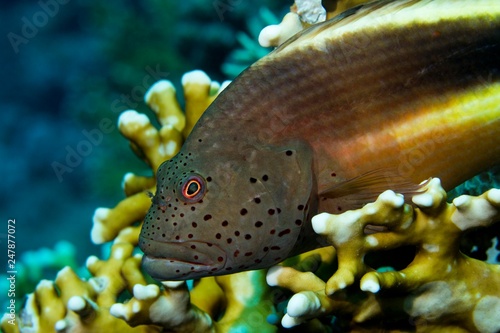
x=193, y=189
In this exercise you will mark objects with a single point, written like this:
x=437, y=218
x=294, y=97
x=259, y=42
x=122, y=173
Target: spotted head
x=223, y=211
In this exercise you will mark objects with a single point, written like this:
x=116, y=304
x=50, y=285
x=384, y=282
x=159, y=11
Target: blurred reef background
x=70, y=67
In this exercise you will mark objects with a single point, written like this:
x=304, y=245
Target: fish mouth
x=172, y=261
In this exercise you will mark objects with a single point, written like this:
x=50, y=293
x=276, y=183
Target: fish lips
x=180, y=260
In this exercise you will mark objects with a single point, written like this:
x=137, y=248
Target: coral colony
x=338, y=287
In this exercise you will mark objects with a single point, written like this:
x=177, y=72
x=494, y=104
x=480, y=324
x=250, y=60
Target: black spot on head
x=253, y=180
x=236, y=233
x=258, y=224
x=220, y=259
x=248, y=254
x=190, y=236
x=265, y=249
x=229, y=240
x=298, y=222
x=243, y=211
x=207, y=217
x=236, y=253
x=275, y=248
x=333, y=174
x=193, y=208
x=248, y=236
x=225, y=223
x=265, y=178
x=218, y=236
x=194, y=224
x=270, y=211
x=289, y=153
x=209, y=179
x=256, y=200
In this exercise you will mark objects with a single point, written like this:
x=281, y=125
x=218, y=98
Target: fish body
x=383, y=96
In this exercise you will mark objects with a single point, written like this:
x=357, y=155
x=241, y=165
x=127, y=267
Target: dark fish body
x=384, y=96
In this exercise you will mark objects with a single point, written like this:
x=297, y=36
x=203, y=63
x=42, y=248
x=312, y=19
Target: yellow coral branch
x=437, y=285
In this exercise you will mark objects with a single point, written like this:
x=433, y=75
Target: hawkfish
x=381, y=97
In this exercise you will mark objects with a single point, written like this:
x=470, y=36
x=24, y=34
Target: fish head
x=221, y=212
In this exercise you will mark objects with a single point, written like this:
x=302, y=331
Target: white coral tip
x=272, y=275
x=390, y=197
x=146, y=292
x=270, y=35
x=158, y=87
x=298, y=305
x=424, y=200
x=118, y=310
x=132, y=116
x=301, y=305
x=320, y=222
x=91, y=260
x=462, y=201
x=494, y=196
x=76, y=303
x=100, y=215
x=61, y=325
x=196, y=77
x=370, y=285
x=289, y=322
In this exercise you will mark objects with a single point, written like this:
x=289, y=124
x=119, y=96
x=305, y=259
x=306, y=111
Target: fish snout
x=181, y=260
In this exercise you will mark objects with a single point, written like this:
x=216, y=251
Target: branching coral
x=239, y=302
x=441, y=289
x=69, y=304
x=153, y=146
x=303, y=14
x=38, y=264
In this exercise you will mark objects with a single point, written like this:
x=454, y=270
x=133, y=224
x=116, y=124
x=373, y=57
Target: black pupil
x=192, y=188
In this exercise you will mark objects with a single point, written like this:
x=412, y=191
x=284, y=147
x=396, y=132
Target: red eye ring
x=192, y=189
